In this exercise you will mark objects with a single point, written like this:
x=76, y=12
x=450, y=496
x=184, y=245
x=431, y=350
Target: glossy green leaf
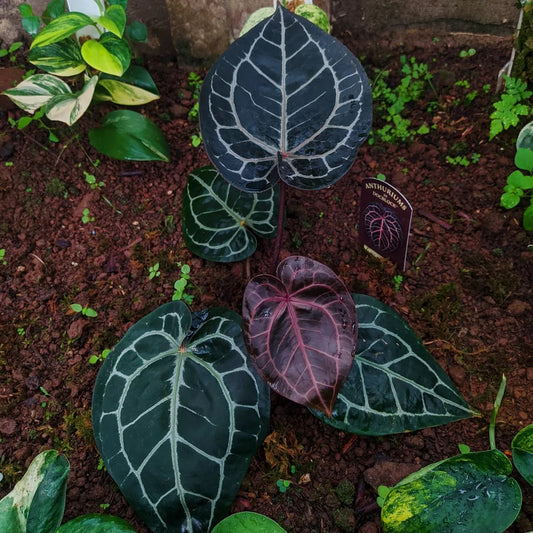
x=69, y=108
x=520, y=180
x=37, y=90
x=60, y=28
x=508, y=200
x=178, y=413
x=394, y=385
x=37, y=502
x=137, y=32
x=129, y=135
x=96, y=523
x=522, y=447
x=315, y=15
x=220, y=221
x=114, y=20
x=524, y=159
x=527, y=220
x=468, y=493
x=54, y=9
x=109, y=54
x=247, y=522
x=134, y=87
x=62, y=58
x=256, y=17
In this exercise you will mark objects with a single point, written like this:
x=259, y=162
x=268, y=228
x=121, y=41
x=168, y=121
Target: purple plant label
x=385, y=220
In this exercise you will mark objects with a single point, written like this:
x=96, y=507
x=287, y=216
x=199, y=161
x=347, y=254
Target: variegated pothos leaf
x=178, y=413
x=394, y=385
x=217, y=218
x=285, y=101
x=70, y=107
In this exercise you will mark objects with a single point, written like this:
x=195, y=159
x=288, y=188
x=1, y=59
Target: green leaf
x=114, y=20
x=178, y=413
x=96, y=523
x=37, y=502
x=123, y=3
x=247, y=522
x=62, y=58
x=137, y=31
x=129, y=135
x=524, y=159
x=525, y=137
x=522, y=446
x=394, y=385
x=69, y=108
x=219, y=221
x=36, y=91
x=314, y=14
x=54, y=9
x=110, y=54
x=519, y=180
x=134, y=87
x=508, y=200
x=60, y=28
x=256, y=17
x=31, y=24
x=527, y=221
x=26, y=10
x=470, y=493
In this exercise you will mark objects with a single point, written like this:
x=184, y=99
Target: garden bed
x=467, y=290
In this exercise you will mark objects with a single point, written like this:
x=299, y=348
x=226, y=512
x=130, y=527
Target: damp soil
x=466, y=290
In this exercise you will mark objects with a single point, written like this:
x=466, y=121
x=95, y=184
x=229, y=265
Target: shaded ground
x=467, y=290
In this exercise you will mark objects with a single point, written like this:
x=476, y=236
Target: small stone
x=76, y=328
x=8, y=426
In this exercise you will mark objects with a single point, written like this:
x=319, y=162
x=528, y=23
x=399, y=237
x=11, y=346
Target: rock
x=76, y=328
x=388, y=473
x=8, y=426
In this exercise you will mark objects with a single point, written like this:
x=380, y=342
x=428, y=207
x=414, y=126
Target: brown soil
x=467, y=290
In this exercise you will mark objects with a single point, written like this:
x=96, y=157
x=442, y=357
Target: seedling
x=462, y=160
x=101, y=465
x=86, y=216
x=10, y=51
x=25, y=121
x=99, y=358
x=2, y=256
x=467, y=53
x=397, y=280
x=195, y=83
x=181, y=283
x=283, y=485
x=91, y=180
x=153, y=271
x=84, y=310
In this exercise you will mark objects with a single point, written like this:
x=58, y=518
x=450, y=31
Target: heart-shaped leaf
x=69, y=108
x=470, y=492
x=286, y=100
x=394, y=385
x=109, y=54
x=114, y=20
x=61, y=59
x=131, y=136
x=301, y=331
x=178, y=413
x=217, y=218
x=247, y=522
x=134, y=87
x=37, y=502
x=96, y=523
x=522, y=447
x=62, y=27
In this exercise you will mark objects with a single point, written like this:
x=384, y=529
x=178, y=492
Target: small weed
x=195, y=83
x=100, y=464
x=104, y=506
x=2, y=256
x=467, y=53
x=196, y=139
x=462, y=160
x=86, y=216
x=181, y=283
x=99, y=358
x=84, y=310
x=9, y=163
x=11, y=51
x=283, y=485
x=91, y=180
x=397, y=281
x=25, y=121
x=153, y=271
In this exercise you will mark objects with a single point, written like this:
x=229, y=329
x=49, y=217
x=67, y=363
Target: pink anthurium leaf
x=300, y=328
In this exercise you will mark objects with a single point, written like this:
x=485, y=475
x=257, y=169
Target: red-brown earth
x=467, y=290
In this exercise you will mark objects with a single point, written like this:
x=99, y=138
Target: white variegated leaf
x=69, y=108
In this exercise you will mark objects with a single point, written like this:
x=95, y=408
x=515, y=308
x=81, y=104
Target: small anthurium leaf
x=285, y=101
x=70, y=107
x=114, y=20
x=134, y=87
x=219, y=221
x=137, y=31
x=37, y=502
x=178, y=413
x=128, y=135
x=522, y=447
x=62, y=59
x=469, y=492
x=60, y=28
x=300, y=327
x=96, y=523
x=109, y=54
x=524, y=159
x=247, y=522
x=394, y=385
x=37, y=90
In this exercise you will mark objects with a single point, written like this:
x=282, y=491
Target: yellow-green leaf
x=114, y=20
x=62, y=58
x=110, y=54
x=135, y=87
x=61, y=28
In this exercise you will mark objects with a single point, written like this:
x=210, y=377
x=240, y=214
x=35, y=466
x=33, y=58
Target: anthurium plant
x=89, y=47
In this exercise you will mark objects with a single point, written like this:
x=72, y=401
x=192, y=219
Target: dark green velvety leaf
x=522, y=447
x=468, y=493
x=219, y=221
x=129, y=135
x=178, y=413
x=394, y=385
x=96, y=523
x=285, y=101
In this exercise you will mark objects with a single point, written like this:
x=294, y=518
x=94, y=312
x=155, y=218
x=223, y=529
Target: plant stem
x=496, y=408
x=281, y=218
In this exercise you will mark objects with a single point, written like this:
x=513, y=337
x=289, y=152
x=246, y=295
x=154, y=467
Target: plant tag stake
x=385, y=221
